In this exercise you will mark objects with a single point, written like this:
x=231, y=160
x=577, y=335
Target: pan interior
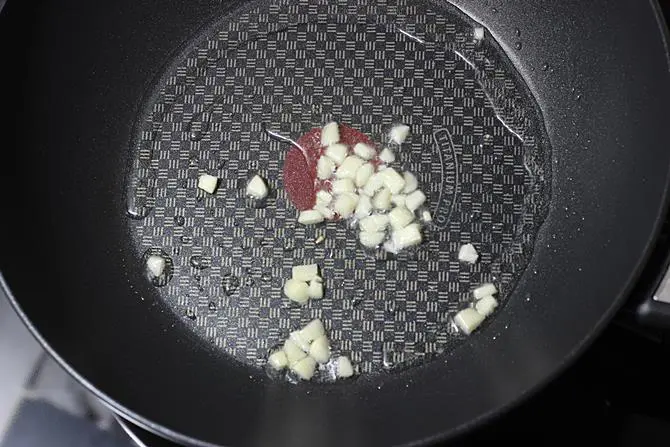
x=478, y=147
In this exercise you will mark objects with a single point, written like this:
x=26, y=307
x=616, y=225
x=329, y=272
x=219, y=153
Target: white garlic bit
x=337, y=152
x=387, y=156
x=315, y=289
x=398, y=199
x=411, y=183
x=365, y=151
x=342, y=186
x=426, y=216
x=486, y=305
x=304, y=368
x=382, y=200
x=486, y=289
x=344, y=367
x=374, y=223
x=156, y=265
x=324, y=168
x=468, y=320
x=478, y=33
x=296, y=290
x=208, y=183
x=293, y=352
x=345, y=204
x=415, y=200
x=313, y=330
x=310, y=217
x=257, y=188
x=400, y=217
x=326, y=212
x=406, y=237
x=399, y=133
x=468, y=253
x=392, y=180
x=363, y=174
x=374, y=184
x=319, y=350
x=330, y=134
x=323, y=198
x=371, y=239
x=305, y=272
x=349, y=167
x=278, y=360
x=297, y=338
x=364, y=207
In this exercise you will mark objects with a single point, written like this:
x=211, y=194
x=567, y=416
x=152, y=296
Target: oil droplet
x=249, y=281
x=186, y=240
x=179, y=220
x=387, y=360
x=195, y=135
x=356, y=302
x=212, y=306
x=190, y=314
x=545, y=66
x=488, y=139
x=518, y=45
x=197, y=262
x=266, y=277
x=230, y=284
x=138, y=212
x=517, y=32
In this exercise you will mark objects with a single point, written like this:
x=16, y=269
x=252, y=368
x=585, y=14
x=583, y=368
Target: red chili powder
x=300, y=178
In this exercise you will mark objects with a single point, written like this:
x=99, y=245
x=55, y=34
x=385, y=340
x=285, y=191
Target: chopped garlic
x=297, y=338
x=156, y=265
x=344, y=368
x=399, y=133
x=415, y=200
x=310, y=217
x=374, y=223
x=330, y=134
x=257, y=188
x=306, y=272
x=363, y=174
x=365, y=151
x=382, y=200
x=320, y=238
x=468, y=254
x=342, y=186
x=208, y=183
x=400, y=217
x=315, y=289
x=374, y=184
x=313, y=330
x=278, y=360
x=324, y=168
x=392, y=180
x=406, y=237
x=296, y=290
x=371, y=239
x=364, y=207
x=426, y=217
x=319, y=350
x=304, y=368
x=345, y=204
x=483, y=290
x=325, y=211
x=478, y=33
x=486, y=305
x=387, y=156
x=411, y=183
x=398, y=199
x=337, y=152
x=468, y=320
x=349, y=167
x=323, y=198
x=293, y=352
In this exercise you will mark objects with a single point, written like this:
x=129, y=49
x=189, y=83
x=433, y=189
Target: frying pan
x=544, y=144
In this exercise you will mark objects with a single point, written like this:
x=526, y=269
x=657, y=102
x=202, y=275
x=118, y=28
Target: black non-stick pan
x=543, y=143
